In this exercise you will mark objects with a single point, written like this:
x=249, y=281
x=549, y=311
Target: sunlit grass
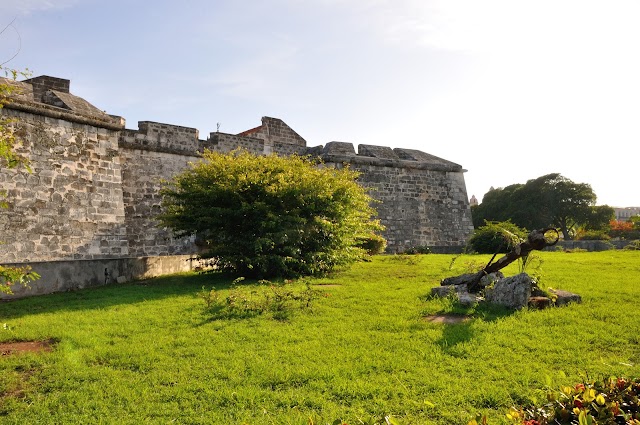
x=149, y=352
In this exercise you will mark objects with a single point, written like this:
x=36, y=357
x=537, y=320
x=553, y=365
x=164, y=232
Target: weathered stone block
x=459, y=291
x=512, y=292
x=539, y=303
x=565, y=297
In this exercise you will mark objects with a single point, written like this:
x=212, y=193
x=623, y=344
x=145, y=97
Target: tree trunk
x=537, y=240
x=565, y=230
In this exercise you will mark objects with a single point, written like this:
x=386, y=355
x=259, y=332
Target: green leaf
x=390, y=420
x=584, y=418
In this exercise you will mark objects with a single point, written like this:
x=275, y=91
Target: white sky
x=511, y=90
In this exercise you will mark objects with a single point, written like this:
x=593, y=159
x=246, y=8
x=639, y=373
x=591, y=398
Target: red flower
x=577, y=403
x=615, y=409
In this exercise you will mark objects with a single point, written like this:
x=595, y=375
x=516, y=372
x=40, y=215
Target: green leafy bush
x=276, y=299
x=15, y=276
x=574, y=250
x=422, y=249
x=593, y=235
x=269, y=216
x=633, y=246
x=611, y=401
x=373, y=244
x=496, y=237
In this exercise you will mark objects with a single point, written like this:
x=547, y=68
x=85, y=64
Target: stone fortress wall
x=85, y=214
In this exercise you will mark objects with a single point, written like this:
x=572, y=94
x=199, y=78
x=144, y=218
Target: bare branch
x=10, y=25
x=7, y=26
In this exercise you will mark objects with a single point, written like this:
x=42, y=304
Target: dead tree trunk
x=537, y=240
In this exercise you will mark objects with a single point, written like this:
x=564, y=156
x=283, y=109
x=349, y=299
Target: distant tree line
x=551, y=200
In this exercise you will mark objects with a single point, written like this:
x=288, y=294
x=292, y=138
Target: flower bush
x=611, y=401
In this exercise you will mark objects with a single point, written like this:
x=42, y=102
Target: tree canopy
x=549, y=200
x=495, y=237
x=267, y=216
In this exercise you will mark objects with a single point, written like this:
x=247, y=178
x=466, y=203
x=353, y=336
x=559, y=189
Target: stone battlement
x=162, y=138
x=49, y=97
x=384, y=156
x=42, y=84
x=93, y=193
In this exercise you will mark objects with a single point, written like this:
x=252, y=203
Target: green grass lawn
x=150, y=352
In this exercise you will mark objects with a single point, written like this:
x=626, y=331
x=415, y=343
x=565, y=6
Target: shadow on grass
x=117, y=294
x=455, y=334
x=220, y=312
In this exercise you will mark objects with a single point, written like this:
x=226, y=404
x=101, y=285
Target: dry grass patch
x=19, y=347
x=447, y=319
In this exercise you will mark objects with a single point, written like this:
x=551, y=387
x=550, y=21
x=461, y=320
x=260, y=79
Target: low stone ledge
x=109, y=122
x=61, y=276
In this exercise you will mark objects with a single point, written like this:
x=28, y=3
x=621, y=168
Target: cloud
x=13, y=8
x=262, y=74
x=505, y=25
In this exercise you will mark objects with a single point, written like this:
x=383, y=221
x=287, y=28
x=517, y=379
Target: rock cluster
x=514, y=292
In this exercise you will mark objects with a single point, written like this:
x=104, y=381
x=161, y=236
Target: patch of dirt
x=17, y=347
x=447, y=319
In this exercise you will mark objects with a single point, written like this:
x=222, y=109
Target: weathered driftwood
x=536, y=240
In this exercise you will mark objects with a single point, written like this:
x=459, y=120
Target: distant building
x=473, y=201
x=625, y=214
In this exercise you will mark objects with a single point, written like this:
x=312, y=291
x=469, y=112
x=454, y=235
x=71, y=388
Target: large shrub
x=268, y=216
x=592, y=235
x=496, y=237
x=628, y=230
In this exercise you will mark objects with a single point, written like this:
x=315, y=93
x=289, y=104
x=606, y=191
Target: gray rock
x=468, y=298
x=491, y=279
x=539, y=303
x=512, y=292
x=443, y=291
x=515, y=292
x=460, y=292
x=463, y=279
x=565, y=297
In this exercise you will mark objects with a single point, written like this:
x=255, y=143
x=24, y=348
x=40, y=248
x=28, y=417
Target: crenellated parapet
x=49, y=97
x=274, y=132
x=384, y=156
x=224, y=143
x=159, y=137
x=422, y=199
